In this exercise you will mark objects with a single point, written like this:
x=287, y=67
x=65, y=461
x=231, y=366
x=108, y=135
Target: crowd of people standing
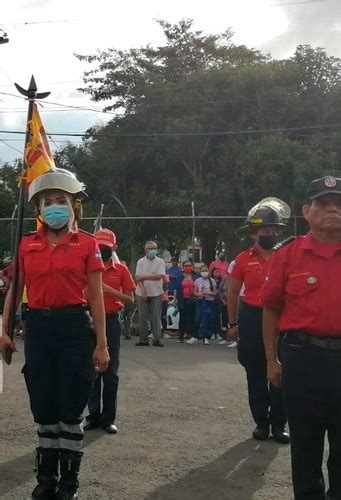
x=199, y=297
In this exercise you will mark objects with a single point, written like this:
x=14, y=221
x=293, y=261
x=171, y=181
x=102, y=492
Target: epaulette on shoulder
x=86, y=232
x=283, y=243
x=31, y=233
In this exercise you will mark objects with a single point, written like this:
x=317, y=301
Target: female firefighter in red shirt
x=266, y=401
x=63, y=349
x=118, y=289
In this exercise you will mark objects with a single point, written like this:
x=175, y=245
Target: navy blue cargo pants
x=266, y=401
x=106, y=385
x=59, y=373
x=312, y=392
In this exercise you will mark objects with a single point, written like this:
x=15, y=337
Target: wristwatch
x=234, y=323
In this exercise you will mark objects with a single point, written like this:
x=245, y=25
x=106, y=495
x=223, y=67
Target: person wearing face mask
x=64, y=348
x=186, y=301
x=118, y=289
x=301, y=297
x=149, y=277
x=205, y=290
x=266, y=401
x=218, y=305
x=220, y=263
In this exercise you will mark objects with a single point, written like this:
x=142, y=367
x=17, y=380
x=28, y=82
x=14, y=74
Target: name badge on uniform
x=312, y=280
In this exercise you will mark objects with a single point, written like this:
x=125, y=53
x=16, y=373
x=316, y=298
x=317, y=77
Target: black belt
x=327, y=342
x=249, y=306
x=58, y=311
x=113, y=315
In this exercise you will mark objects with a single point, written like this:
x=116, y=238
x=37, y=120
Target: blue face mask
x=151, y=254
x=56, y=216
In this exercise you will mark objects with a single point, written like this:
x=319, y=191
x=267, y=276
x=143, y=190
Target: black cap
x=324, y=185
x=265, y=216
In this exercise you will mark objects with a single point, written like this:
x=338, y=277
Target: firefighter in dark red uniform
x=266, y=400
x=118, y=288
x=63, y=348
x=301, y=298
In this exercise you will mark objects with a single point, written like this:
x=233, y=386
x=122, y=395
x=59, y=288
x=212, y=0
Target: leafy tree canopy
x=203, y=119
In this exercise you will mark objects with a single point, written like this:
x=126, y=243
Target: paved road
x=184, y=433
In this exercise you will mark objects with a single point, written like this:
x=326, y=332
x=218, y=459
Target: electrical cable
x=184, y=134
x=9, y=146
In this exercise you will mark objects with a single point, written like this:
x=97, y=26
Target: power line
x=80, y=108
x=185, y=134
x=57, y=141
x=10, y=94
x=18, y=110
x=76, y=107
x=40, y=22
x=13, y=95
x=163, y=104
x=62, y=105
x=297, y=3
x=50, y=83
x=9, y=146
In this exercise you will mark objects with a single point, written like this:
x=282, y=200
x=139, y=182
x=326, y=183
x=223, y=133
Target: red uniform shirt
x=188, y=288
x=304, y=280
x=251, y=268
x=57, y=277
x=117, y=276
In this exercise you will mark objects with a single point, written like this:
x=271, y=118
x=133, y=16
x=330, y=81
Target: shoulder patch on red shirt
x=283, y=243
x=86, y=232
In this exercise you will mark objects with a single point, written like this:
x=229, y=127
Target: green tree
x=206, y=85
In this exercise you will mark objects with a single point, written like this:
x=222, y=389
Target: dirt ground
x=184, y=433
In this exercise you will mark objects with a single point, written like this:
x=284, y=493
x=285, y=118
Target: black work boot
x=47, y=467
x=70, y=462
x=261, y=432
x=280, y=433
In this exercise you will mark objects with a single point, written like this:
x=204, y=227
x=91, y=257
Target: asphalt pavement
x=184, y=432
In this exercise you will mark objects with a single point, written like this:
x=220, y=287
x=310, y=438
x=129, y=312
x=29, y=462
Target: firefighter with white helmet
x=64, y=349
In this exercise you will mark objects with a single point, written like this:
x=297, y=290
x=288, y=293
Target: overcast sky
x=46, y=49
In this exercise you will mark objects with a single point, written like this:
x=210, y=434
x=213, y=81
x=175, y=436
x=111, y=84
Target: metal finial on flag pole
x=31, y=94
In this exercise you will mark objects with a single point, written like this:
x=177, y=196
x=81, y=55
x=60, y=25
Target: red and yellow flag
x=38, y=155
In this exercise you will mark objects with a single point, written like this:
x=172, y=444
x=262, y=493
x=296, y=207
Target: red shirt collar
x=254, y=253
x=42, y=235
x=320, y=248
x=111, y=266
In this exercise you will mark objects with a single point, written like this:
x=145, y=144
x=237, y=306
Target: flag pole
x=31, y=94
x=98, y=221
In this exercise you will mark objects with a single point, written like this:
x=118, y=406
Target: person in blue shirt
x=175, y=276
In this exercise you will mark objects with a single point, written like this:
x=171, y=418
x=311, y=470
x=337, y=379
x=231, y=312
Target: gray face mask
x=267, y=241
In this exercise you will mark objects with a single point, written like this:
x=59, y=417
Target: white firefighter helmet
x=58, y=178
